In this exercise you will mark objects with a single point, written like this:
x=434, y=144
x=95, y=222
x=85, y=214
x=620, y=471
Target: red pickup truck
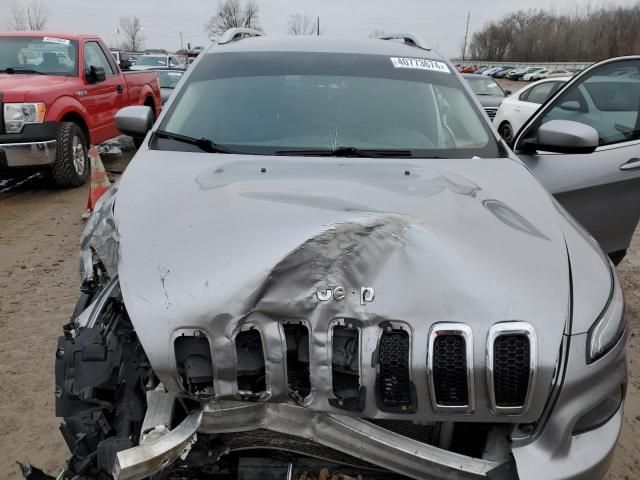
x=59, y=94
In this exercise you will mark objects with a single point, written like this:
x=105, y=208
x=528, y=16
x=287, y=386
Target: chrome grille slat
x=450, y=368
x=511, y=367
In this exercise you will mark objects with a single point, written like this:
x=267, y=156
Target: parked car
x=503, y=73
x=148, y=62
x=551, y=74
x=491, y=70
x=519, y=107
x=528, y=77
x=393, y=294
x=488, y=91
x=522, y=72
x=468, y=69
x=122, y=59
x=169, y=78
x=60, y=94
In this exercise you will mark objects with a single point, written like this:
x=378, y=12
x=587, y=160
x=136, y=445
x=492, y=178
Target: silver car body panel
x=447, y=243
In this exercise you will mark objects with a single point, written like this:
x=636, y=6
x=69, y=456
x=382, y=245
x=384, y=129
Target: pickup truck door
x=600, y=189
x=103, y=99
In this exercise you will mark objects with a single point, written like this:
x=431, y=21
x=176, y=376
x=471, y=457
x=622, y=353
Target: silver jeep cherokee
x=325, y=263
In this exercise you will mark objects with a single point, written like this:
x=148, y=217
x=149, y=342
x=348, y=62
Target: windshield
x=169, y=79
x=152, y=60
x=264, y=103
x=485, y=86
x=48, y=55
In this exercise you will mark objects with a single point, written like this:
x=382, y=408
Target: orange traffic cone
x=99, y=181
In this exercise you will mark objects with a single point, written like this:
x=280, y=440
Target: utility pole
x=318, y=26
x=181, y=42
x=466, y=34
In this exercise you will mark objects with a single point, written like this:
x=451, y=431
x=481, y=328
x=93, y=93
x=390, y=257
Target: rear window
x=263, y=103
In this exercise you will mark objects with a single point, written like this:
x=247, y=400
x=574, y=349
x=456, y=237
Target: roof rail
x=238, y=33
x=408, y=38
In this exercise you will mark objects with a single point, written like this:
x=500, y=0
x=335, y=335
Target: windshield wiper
x=21, y=70
x=204, y=144
x=346, y=152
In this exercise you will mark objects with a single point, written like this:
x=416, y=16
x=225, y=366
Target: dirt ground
x=39, y=233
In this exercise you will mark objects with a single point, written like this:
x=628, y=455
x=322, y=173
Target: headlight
x=16, y=115
x=609, y=327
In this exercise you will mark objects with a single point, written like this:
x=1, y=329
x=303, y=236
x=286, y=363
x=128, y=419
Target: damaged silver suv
x=325, y=263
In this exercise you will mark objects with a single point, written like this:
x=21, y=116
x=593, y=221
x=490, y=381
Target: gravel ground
x=38, y=289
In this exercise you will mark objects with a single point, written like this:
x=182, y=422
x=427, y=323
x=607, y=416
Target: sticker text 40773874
x=420, y=64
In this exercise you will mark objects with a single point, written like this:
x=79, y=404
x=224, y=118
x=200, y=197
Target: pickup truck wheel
x=71, y=168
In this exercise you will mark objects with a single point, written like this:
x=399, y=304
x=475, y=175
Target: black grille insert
x=450, y=370
x=511, y=369
x=251, y=368
x=394, y=382
x=297, y=338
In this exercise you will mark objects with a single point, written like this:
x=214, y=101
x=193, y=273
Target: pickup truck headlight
x=609, y=327
x=16, y=115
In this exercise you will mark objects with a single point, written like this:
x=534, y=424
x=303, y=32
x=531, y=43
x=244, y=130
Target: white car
x=530, y=76
x=516, y=109
x=551, y=74
x=147, y=62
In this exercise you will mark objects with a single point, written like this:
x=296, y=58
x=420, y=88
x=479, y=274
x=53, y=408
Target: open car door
x=583, y=145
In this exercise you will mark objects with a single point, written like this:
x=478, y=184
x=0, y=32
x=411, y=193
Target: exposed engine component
x=346, y=368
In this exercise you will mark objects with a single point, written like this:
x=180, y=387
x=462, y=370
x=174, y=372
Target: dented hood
x=214, y=241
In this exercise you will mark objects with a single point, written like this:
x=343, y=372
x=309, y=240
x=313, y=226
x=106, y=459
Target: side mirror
x=571, y=106
x=563, y=136
x=135, y=121
x=95, y=74
x=507, y=92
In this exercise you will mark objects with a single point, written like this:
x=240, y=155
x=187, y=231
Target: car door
x=600, y=189
x=103, y=99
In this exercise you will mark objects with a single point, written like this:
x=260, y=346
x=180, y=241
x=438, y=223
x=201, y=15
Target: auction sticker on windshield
x=62, y=41
x=420, y=64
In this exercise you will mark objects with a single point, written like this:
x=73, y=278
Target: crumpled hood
x=212, y=241
x=15, y=87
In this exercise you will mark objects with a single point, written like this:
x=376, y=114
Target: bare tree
x=302, y=25
x=539, y=35
x=132, y=30
x=32, y=16
x=231, y=14
x=377, y=33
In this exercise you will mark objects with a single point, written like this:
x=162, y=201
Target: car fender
x=67, y=104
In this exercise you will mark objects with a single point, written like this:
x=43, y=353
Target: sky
x=441, y=24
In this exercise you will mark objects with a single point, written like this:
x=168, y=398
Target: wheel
x=71, y=167
x=506, y=132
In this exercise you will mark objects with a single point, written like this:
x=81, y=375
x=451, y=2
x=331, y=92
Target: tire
x=71, y=168
x=506, y=132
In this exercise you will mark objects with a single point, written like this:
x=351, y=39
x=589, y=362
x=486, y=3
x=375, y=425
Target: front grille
x=491, y=112
x=511, y=355
x=394, y=382
x=406, y=428
x=450, y=370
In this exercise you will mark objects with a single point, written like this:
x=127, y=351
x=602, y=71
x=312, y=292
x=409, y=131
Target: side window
x=607, y=99
x=540, y=93
x=94, y=56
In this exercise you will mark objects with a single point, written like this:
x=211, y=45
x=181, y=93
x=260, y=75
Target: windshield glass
x=49, y=55
x=152, y=60
x=269, y=102
x=169, y=79
x=485, y=86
